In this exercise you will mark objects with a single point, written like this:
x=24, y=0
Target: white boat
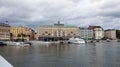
x=76, y=40
x=23, y=43
x=18, y=43
x=44, y=42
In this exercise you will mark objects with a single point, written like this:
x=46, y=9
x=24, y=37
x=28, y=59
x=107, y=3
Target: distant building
x=110, y=34
x=23, y=32
x=86, y=33
x=98, y=32
x=4, y=31
x=57, y=31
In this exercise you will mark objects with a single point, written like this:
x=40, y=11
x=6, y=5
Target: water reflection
x=65, y=55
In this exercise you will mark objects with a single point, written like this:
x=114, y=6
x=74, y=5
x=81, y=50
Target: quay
x=49, y=42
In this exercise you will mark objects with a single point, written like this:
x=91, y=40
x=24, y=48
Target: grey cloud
x=70, y=12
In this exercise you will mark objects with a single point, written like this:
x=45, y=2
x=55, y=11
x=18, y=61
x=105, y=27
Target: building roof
x=4, y=24
x=56, y=26
x=110, y=30
x=95, y=27
x=82, y=28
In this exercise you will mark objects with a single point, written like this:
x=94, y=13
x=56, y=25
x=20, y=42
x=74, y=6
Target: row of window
x=4, y=30
x=2, y=36
x=86, y=36
x=27, y=32
x=57, y=34
x=86, y=32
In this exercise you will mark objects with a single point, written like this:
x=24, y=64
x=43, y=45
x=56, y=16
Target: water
x=66, y=55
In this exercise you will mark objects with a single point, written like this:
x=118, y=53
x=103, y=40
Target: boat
x=118, y=40
x=23, y=43
x=76, y=40
x=18, y=43
x=107, y=40
x=4, y=62
x=45, y=42
x=2, y=44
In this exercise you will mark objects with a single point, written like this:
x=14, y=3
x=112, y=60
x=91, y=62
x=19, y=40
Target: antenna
x=59, y=21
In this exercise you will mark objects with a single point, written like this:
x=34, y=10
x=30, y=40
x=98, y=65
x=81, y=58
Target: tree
x=11, y=35
x=118, y=34
x=21, y=35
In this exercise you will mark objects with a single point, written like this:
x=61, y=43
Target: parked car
x=2, y=44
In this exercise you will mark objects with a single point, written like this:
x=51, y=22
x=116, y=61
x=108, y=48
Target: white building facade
x=86, y=33
x=110, y=34
x=98, y=32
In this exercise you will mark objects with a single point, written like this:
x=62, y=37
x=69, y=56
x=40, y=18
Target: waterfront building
x=86, y=33
x=4, y=31
x=57, y=31
x=22, y=32
x=110, y=34
x=98, y=32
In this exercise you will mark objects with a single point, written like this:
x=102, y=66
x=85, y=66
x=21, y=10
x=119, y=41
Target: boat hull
x=76, y=41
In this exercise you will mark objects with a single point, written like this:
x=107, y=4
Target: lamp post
x=21, y=33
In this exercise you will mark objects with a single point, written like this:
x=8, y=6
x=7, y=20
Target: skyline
x=105, y=13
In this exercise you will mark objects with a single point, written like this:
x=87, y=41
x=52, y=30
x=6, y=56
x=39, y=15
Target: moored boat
x=18, y=43
x=2, y=44
x=76, y=40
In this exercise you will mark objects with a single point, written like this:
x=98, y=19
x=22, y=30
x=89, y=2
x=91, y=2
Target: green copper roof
x=56, y=26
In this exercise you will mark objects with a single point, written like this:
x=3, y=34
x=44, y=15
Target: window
x=49, y=34
x=71, y=32
x=43, y=34
x=46, y=32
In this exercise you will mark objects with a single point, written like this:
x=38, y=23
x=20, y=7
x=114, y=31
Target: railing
x=4, y=63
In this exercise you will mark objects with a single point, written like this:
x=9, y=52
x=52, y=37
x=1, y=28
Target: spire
x=58, y=24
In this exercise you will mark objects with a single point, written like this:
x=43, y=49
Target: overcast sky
x=105, y=13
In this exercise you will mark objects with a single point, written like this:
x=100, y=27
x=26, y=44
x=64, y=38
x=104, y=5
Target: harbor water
x=63, y=55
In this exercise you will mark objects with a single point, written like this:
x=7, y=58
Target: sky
x=81, y=13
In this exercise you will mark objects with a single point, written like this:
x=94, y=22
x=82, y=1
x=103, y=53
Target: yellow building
x=4, y=31
x=22, y=32
x=57, y=31
x=110, y=34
